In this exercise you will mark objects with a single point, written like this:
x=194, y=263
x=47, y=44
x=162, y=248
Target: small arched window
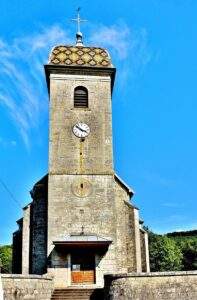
x=80, y=97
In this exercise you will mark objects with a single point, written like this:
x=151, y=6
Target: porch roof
x=82, y=240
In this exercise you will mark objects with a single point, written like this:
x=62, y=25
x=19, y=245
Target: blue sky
x=153, y=45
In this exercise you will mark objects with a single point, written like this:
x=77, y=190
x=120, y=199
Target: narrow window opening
x=81, y=97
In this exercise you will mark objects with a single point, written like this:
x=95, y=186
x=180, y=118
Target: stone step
x=77, y=294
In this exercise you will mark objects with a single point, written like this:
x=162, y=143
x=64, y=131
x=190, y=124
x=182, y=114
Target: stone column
x=69, y=269
x=26, y=240
x=137, y=241
x=146, y=252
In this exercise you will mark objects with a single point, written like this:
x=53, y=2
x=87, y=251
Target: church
x=81, y=223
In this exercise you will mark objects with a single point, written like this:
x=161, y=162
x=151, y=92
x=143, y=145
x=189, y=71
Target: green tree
x=165, y=254
x=189, y=250
x=6, y=258
x=187, y=242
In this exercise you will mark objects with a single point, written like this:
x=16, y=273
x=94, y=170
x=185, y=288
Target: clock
x=81, y=130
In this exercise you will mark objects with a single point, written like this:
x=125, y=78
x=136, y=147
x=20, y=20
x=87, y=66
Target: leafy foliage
x=6, y=258
x=176, y=251
x=187, y=242
x=165, y=255
x=190, y=233
x=189, y=250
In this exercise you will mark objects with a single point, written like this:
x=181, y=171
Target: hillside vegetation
x=6, y=258
x=175, y=251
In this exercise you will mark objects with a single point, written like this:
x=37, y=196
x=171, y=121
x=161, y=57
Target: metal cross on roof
x=78, y=20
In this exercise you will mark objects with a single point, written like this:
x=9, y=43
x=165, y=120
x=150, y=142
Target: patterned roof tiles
x=80, y=56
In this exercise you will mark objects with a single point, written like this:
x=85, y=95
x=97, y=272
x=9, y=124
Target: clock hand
x=81, y=128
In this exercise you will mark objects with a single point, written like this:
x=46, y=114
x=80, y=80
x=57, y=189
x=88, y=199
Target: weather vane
x=79, y=35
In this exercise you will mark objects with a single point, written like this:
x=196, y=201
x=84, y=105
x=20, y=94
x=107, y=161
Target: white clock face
x=81, y=130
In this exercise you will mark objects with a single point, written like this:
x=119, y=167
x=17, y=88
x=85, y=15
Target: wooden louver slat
x=80, y=97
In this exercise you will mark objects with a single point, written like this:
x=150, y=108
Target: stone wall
x=34, y=287
x=126, y=248
x=152, y=286
x=96, y=213
x=38, y=227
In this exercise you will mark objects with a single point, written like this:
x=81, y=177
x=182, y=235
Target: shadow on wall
x=97, y=294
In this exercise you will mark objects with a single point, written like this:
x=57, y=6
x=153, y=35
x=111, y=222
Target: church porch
x=74, y=261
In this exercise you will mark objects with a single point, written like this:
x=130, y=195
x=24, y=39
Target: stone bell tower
x=89, y=209
x=81, y=223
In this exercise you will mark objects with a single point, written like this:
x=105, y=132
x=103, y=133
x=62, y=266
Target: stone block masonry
x=64, y=147
x=1, y=289
x=133, y=286
x=34, y=287
x=152, y=286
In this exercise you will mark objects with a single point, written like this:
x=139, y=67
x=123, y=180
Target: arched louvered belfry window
x=80, y=97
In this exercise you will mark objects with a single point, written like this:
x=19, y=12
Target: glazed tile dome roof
x=80, y=56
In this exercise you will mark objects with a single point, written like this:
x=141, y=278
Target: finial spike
x=79, y=36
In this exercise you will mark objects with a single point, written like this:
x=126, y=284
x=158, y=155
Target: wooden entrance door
x=83, y=268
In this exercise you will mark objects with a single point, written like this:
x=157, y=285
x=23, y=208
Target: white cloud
x=177, y=228
x=174, y=222
x=158, y=179
x=21, y=77
x=115, y=37
x=140, y=52
x=13, y=143
x=127, y=45
x=188, y=227
x=7, y=143
x=173, y=204
x=22, y=85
